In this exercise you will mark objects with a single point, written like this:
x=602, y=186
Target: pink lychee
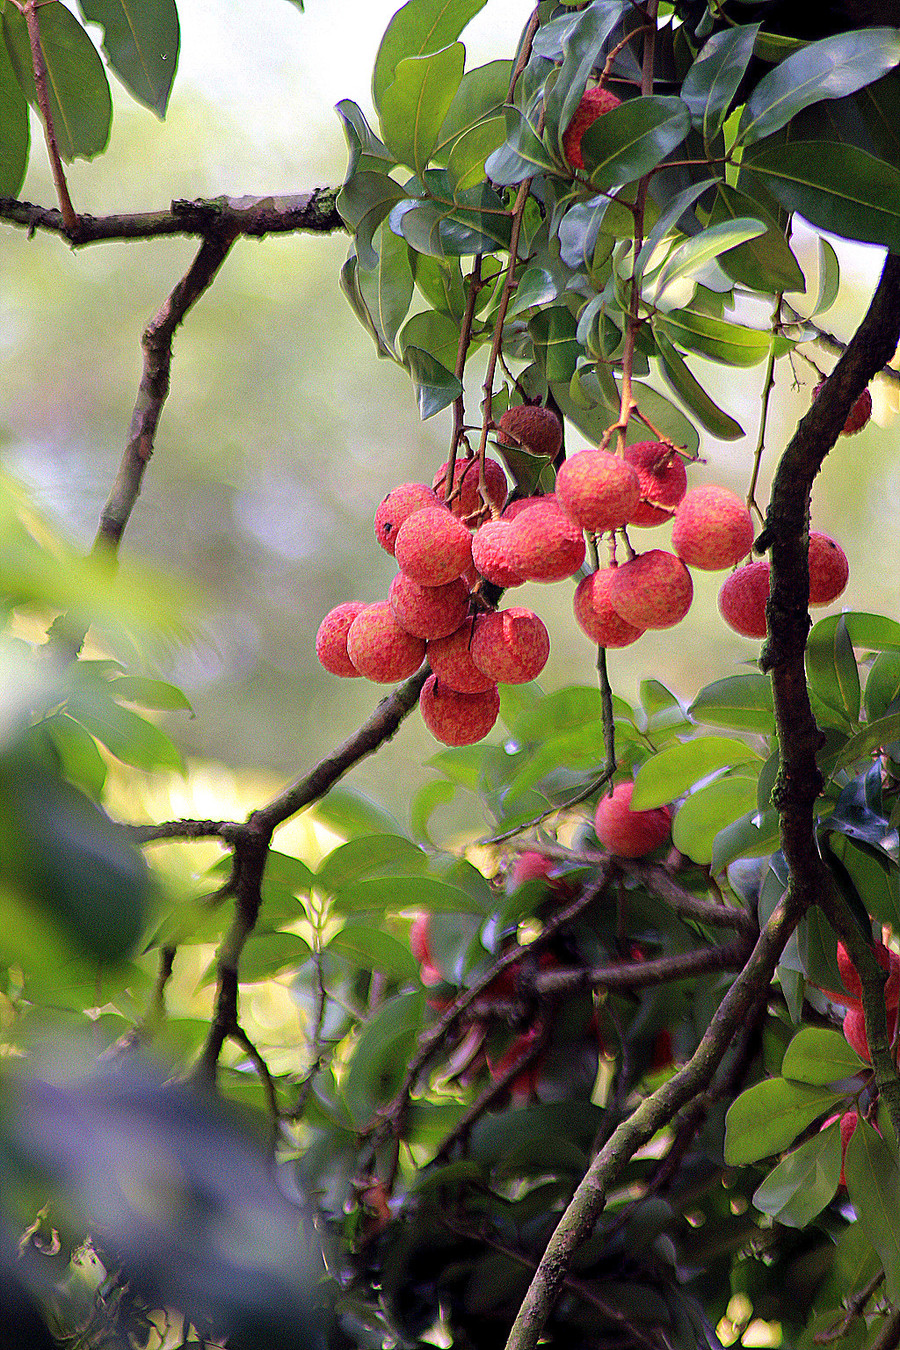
x=510, y=645
x=662, y=478
x=433, y=547
x=490, y=544
x=331, y=639
x=627, y=833
x=593, y=104
x=465, y=472
x=597, y=490
x=651, y=590
x=428, y=611
x=742, y=599
x=380, y=649
x=399, y=503
x=829, y=570
x=451, y=661
x=513, y=509
x=543, y=544
x=596, y=616
x=713, y=528
x=455, y=718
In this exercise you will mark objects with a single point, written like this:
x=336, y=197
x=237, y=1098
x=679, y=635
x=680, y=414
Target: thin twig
x=39, y=67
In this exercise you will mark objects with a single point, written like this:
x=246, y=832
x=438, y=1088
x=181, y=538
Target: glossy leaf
x=481, y=97
x=418, y=28
x=694, y=254
x=414, y=105
x=368, y=948
x=832, y=68
x=466, y=162
x=436, y=387
x=382, y=1051
x=364, y=201
x=581, y=48
x=441, y=283
x=80, y=102
x=129, y=737
x=873, y=631
x=16, y=136
x=632, y=139
x=707, y=811
x=764, y=264
x=882, y=693
x=521, y=156
x=832, y=671
x=665, y=415
x=670, y=772
x=819, y=1056
x=367, y=152
x=692, y=393
x=368, y=855
x=350, y=813
x=149, y=693
x=883, y=731
x=432, y=333
x=141, y=40
x=556, y=346
x=804, y=1182
x=767, y=1117
x=387, y=288
x=268, y=954
x=873, y=1183
x=753, y=835
x=731, y=344
x=829, y=278
x=388, y=894
x=668, y=217
x=712, y=82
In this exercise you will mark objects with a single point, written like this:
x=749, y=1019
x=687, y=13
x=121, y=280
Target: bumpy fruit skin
x=451, y=661
x=490, y=553
x=380, y=649
x=399, y=503
x=662, y=478
x=433, y=547
x=829, y=570
x=510, y=645
x=595, y=614
x=331, y=639
x=742, y=599
x=465, y=471
x=626, y=833
x=593, y=104
x=514, y=509
x=544, y=544
x=652, y=590
x=713, y=528
x=536, y=428
x=428, y=611
x=597, y=490
x=858, y=415
x=454, y=718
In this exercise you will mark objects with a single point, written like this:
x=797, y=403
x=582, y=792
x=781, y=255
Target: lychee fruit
x=533, y=866
x=331, y=639
x=594, y=103
x=399, y=503
x=455, y=718
x=829, y=570
x=595, y=614
x=543, y=544
x=490, y=544
x=428, y=611
x=451, y=661
x=626, y=833
x=467, y=499
x=535, y=428
x=514, y=509
x=651, y=590
x=713, y=528
x=742, y=599
x=433, y=547
x=597, y=490
x=510, y=645
x=662, y=478
x=858, y=415
x=380, y=649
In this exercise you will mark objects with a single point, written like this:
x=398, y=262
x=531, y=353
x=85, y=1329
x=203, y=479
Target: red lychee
x=829, y=570
x=651, y=590
x=490, y=544
x=331, y=639
x=596, y=616
x=858, y=415
x=533, y=427
x=465, y=472
x=455, y=718
x=428, y=611
x=451, y=661
x=662, y=478
x=433, y=547
x=510, y=645
x=521, y=504
x=713, y=528
x=543, y=544
x=399, y=503
x=742, y=599
x=627, y=833
x=380, y=649
x=533, y=866
x=597, y=490
x=593, y=104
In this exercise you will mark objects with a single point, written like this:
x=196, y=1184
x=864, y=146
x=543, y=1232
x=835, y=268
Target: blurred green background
x=283, y=431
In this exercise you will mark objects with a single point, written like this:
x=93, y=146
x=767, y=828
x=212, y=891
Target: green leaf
x=141, y=40
x=732, y=344
x=884, y=731
x=832, y=671
x=351, y=814
x=368, y=948
x=712, y=82
x=764, y=264
x=672, y=771
x=149, y=693
x=873, y=1183
x=693, y=255
x=268, y=954
x=481, y=97
x=753, y=835
x=882, y=694
x=420, y=27
x=581, y=48
x=665, y=415
x=436, y=387
x=389, y=894
x=79, y=755
x=367, y=152
x=522, y=155
x=829, y=278
x=836, y=186
x=414, y=106
x=630, y=140
x=80, y=102
x=369, y=855
x=768, y=1117
x=382, y=1052
x=364, y=201
x=691, y=391
x=387, y=288
x=440, y=282
x=556, y=347
x=125, y=734
x=709, y=810
x=874, y=631
x=16, y=137
x=742, y=702
x=425, y=803
x=433, y=333
x=819, y=1056
x=832, y=68
x=467, y=158
x=804, y=1182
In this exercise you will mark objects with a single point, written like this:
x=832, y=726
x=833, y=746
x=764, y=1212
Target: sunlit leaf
x=767, y=1117
x=832, y=671
x=141, y=40
x=819, y=1056
x=419, y=27
x=414, y=105
x=708, y=810
x=670, y=772
x=692, y=393
x=712, y=82
x=632, y=139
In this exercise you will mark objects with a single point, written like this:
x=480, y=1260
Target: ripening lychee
x=713, y=528
x=399, y=503
x=595, y=614
x=451, y=661
x=331, y=639
x=533, y=866
x=597, y=490
x=490, y=544
x=627, y=833
x=510, y=645
x=380, y=649
x=742, y=599
x=433, y=547
x=651, y=590
x=858, y=415
x=829, y=570
x=662, y=478
x=428, y=611
x=543, y=544
x=535, y=428
x=890, y=964
x=455, y=718
x=468, y=499
x=594, y=103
